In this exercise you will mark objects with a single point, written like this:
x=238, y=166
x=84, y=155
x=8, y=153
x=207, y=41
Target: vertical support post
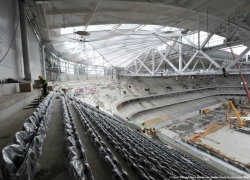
x=105, y=72
x=25, y=43
x=153, y=61
x=198, y=27
x=115, y=73
x=136, y=69
x=180, y=54
x=43, y=59
x=96, y=73
x=210, y=66
x=87, y=73
x=77, y=71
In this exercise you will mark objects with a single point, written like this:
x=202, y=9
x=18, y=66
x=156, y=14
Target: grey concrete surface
x=54, y=153
x=13, y=103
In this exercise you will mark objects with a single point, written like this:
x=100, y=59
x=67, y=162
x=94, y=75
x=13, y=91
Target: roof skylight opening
x=129, y=26
x=71, y=30
x=168, y=29
x=105, y=27
x=151, y=28
x=236, y=49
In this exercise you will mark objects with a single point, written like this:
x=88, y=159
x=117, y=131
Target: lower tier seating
x=18, y=161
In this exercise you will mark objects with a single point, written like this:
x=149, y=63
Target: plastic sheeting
x=13, y=156
x=29, y=128
x=76, y=170
x=22, y=138
x=27, y=170
x=19, y=159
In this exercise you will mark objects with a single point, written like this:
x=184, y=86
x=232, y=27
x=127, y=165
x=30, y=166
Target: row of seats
x=77, y=161
x=149, y=159
x=18, y=160
x=116, y=170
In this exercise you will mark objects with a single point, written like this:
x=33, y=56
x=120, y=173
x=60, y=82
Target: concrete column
x=25, y=42
x=43, y=59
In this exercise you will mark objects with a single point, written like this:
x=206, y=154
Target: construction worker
x=45, y=84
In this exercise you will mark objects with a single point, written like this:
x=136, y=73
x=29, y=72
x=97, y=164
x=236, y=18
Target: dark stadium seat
x=22, y=138
x=13, y=156
x=29, y=128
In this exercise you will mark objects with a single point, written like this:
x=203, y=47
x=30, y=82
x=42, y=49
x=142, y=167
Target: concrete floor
x=231, y=143
x=11, y=125
x=54, y=153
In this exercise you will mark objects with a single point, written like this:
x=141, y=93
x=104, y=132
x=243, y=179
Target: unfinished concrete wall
x=11, y=59
x=10, y=52
x=6, y=89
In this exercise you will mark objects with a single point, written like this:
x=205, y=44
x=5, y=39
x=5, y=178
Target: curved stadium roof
x=114, y=33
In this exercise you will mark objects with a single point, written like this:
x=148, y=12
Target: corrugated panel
x=9, y=16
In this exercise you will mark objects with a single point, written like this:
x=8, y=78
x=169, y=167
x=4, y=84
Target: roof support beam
x=202, y=63
x=189, y=62
x=238, y=58
x=165, y=56
x=194, y=65
x=190, y=42
x=210, y=66
x=143, y=61
x=144, y=66
x=198, y=27
x=167, y=60
x=210, y=59
x=91, y=15
x=180, y=54
x=206, y=40
x=132, y=11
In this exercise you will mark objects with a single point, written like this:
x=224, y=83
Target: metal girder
x=238, y=58
x=153, y=61
x=180, y=54
x=206, y=40
x=189, y=62
x=239, y=24
x=83, y=11
x=210, y=66
x=143, y=61
x=131, y=13
x=190, y=42
x=143, y=25
x=167, y=60
x=194, y=65
x=210, y=59
x=144, y=66
x=136, y=69
x=198, y=27
x=202, y=63
x=165, y=56
x=91, y=15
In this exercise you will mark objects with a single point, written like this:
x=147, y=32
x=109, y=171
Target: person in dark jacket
x=45, y=84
